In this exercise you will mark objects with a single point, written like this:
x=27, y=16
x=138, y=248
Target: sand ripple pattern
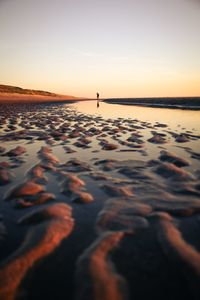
x=51, y=226
x=99, y=208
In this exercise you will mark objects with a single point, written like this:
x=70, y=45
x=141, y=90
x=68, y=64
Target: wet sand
x=96, y=208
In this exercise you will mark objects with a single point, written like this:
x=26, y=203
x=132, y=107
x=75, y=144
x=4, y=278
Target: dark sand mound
x=169, y=102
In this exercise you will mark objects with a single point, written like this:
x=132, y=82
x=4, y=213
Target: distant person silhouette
x=97, y=100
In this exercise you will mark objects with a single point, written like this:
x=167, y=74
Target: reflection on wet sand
x=105, y=207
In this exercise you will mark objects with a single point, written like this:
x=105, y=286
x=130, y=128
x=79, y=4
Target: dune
x=12, y=94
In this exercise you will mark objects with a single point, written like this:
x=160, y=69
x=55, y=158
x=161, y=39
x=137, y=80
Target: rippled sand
x=95, y=208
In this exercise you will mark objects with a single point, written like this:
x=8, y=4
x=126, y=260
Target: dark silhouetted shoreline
x=161, y=102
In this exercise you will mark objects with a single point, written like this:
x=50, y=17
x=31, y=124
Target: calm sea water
x=175, y=118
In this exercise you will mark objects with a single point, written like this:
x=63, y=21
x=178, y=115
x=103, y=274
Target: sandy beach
x=97, y=208
x=99, y=150
x=23, y=98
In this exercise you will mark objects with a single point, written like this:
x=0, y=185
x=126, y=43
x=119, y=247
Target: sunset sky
x=121, y=48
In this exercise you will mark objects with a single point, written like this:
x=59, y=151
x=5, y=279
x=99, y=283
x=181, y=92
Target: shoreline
x=184, y=103
x=172, y=103
x=37, y=99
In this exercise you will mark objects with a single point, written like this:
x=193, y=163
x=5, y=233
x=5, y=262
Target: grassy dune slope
x=16, y=94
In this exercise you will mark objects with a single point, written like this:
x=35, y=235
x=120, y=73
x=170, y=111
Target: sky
x=120, y=48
